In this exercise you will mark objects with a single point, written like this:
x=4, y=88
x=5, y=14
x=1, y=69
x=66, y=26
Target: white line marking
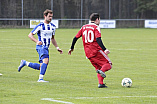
x=58, y=101
x=51, y=99
x=113, y=97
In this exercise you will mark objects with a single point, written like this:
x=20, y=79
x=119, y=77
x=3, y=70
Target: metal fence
x=71, y=23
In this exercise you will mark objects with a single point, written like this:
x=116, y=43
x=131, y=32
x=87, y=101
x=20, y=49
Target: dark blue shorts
x=43, y=53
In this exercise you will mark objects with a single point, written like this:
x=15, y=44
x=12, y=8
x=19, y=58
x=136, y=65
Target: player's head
x=95, y=17
x=48, y=14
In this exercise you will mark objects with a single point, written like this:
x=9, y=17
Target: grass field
x=73, y=79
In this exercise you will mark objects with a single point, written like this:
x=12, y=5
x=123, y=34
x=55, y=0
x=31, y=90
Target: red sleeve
x=97, y=32
x=79, y=34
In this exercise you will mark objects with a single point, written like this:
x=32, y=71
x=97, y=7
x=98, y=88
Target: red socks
x=104, y=68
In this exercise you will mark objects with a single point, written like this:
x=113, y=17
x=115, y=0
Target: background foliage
x=119, y=9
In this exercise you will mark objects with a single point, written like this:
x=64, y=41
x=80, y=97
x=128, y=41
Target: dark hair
x=94, y=16
x=47, y=11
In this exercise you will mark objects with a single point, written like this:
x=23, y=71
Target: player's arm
x=55, y=44
x=99, y=41
x=31, y=36
x=72, y=45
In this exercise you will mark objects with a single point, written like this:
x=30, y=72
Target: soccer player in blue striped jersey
x=46, y=32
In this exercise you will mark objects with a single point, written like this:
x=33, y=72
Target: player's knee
x=46, y=60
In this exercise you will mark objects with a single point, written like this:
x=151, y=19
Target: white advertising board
x=150, y=23
x=107, y=24
x=33, y=23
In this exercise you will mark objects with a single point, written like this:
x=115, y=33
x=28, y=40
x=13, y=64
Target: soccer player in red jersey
x=94, y=48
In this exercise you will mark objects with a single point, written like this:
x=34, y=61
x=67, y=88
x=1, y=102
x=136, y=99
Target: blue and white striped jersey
x=44, y=32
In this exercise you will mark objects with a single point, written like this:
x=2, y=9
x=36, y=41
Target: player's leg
x=103, y=69
x=104, y=62
x=100, y=79
x=99, y=71
x=101, y=83
x=22, y=64
x=33, y=65
x=43, y=69
x=106, y=67
x=102, y=65
x=44, y=56
x=29, y=64
x=101, y=75
x=97, y=67
x=97, y=62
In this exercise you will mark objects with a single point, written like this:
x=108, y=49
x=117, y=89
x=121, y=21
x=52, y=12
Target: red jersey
x=89, y=33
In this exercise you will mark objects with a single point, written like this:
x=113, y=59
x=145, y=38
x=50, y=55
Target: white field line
x=58, y=101
x=113, y=97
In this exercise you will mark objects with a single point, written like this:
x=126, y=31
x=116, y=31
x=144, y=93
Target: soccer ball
x=126, y=82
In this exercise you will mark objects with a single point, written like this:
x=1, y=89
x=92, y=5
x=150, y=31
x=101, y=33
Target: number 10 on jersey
x=89, y=36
